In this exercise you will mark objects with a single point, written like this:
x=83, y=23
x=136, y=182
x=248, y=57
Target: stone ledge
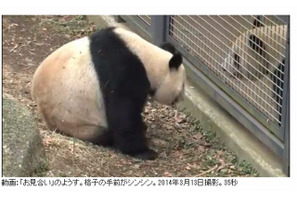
x=237, y=138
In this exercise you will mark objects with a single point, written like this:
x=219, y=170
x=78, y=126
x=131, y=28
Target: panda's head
x=171, y=89
x=163, y=66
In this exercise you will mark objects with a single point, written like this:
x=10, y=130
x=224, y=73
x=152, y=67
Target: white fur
x=66, y=90
x=251, y=61
x=168, y=84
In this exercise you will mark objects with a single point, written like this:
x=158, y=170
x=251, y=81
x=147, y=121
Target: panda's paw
x=146, y=155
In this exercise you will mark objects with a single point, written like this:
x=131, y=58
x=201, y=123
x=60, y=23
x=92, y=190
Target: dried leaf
x=167, y=174
x=223, y=164
x=201, y=149
x=198, y=136
x=220, y=153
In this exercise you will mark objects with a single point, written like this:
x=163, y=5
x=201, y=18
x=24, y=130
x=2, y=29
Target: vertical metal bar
x=286, y=157
x=158, y=29
x=119, y=19
x=285, y=123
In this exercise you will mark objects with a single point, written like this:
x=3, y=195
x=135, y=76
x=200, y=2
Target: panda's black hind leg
x=146, y=155
x=103, y=139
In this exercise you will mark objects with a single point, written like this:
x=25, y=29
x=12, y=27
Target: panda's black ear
x=168, y=47
x=175, y=61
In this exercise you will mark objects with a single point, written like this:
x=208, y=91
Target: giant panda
x=94, y=88
x=259, y=52
x=256, y=52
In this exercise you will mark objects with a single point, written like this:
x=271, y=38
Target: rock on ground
x=23, y=151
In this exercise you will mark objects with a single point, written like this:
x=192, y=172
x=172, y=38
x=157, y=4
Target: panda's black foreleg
x=127, y=128
x=132, y=140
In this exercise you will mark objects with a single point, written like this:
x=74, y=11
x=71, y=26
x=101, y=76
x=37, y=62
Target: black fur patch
x=257, y=22
x=259, y=47
x=177, y=58
x=152, y=92
x=257, y=44
x=168, y=47
x=104, y=138
x=236, y=61
x=175, y=61
x=125, y=87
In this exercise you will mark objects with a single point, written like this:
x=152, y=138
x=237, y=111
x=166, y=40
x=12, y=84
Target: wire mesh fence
x=246, y=52
x=146, y=19
x=242, y=61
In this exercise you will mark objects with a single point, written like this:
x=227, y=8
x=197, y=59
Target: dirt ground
x=184, y=148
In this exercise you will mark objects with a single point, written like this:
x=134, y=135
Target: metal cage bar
x=146, y=19
x=142, y=26
x=158, y=29
x=285, y=126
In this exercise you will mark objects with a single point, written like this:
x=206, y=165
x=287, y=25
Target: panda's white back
x=66, y=90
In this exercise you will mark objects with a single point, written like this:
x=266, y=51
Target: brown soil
x=184, y=148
